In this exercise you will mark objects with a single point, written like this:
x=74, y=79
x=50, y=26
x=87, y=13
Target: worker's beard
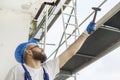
x=39, y=56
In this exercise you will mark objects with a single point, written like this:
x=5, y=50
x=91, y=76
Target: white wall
x=14, y=29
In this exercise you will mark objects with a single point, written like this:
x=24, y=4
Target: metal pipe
x=42, y=7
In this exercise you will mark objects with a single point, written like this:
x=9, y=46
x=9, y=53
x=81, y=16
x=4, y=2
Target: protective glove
x=90, y=28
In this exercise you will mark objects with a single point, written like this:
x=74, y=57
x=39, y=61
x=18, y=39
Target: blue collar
x=27, y=75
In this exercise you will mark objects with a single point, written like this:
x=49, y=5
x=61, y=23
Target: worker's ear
x=29, y=52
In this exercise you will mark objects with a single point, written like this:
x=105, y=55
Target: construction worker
x=32, y=59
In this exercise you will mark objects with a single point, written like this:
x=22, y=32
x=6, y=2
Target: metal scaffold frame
x=42, y=42
x=66, y=25
x=43, y=30
x=74, y=31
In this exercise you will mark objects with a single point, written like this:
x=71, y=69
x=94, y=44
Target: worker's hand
x=90, y=28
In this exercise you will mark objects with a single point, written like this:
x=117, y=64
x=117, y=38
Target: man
x=32, y=59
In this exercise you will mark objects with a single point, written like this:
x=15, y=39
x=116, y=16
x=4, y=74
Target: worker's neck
x=34, y=64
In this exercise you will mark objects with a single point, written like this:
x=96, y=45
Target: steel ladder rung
x=71, y=24
x=69, y=14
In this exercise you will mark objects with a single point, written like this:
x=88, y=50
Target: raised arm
x=73, y=48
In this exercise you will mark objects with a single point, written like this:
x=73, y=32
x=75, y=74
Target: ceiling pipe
x=42, y=7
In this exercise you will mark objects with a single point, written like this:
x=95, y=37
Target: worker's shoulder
x=17, y=67
x=51, y=62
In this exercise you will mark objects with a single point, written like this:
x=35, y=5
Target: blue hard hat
x=20, y=50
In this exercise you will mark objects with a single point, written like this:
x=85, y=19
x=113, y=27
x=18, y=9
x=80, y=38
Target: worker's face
x=38, y=53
